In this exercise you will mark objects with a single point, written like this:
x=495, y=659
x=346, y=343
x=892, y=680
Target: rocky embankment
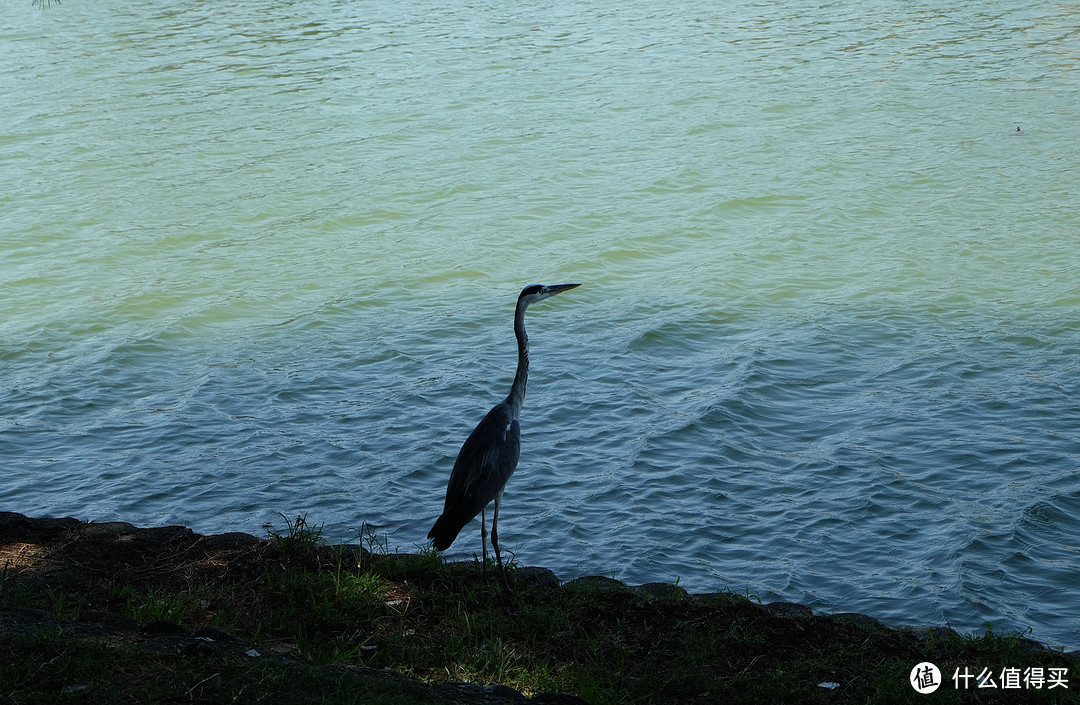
x=68, y=579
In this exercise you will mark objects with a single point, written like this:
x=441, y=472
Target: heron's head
x=538, y=292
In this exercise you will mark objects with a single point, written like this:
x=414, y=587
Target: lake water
x=262, y=258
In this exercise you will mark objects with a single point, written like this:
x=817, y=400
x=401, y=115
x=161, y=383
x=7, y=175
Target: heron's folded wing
x=485, y=462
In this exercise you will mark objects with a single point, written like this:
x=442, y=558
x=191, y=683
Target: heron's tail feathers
x=445, y=531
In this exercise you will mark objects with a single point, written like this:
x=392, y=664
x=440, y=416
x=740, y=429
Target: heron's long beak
x=558, y=288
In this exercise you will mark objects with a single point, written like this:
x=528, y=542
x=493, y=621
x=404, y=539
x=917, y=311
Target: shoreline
x=534, y=575
x=83, y=581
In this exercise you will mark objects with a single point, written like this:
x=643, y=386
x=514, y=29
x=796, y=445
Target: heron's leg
x=495, y=542
x=483, y=537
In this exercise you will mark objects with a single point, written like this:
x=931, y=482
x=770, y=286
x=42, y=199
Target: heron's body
x=486, y=461
x=489, y=455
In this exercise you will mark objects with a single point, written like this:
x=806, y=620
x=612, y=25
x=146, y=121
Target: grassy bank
x=110, y=613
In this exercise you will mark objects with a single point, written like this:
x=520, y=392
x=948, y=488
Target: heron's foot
x=505, y=583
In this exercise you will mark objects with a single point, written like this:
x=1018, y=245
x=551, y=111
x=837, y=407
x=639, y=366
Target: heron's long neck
x=517, y=390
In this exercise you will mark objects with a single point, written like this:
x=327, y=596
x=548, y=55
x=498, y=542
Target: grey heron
x=489, y=455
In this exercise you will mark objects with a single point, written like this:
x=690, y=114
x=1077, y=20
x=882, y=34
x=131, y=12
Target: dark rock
x=788, y=610
x=456, y=690
x=472, y=693
x=534, y=577
x=200, y=647
x=935, y=633
x=216, y=635
x=232, y=539
x=711, y=599
x=23, y=619
x=108, y=529
x=50, y=524
x=1030, y=645
x=13, y=519
x=558, y=699
x=164, y=534
x=863, y=620
x=1073, y=655
x=504, y=692
x=164, y=626
x=598, y=583
x=665, y=591
x=404, y=684
x=351, y=553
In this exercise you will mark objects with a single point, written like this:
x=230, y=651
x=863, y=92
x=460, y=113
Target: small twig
x=752, y=662
x=214, y=675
